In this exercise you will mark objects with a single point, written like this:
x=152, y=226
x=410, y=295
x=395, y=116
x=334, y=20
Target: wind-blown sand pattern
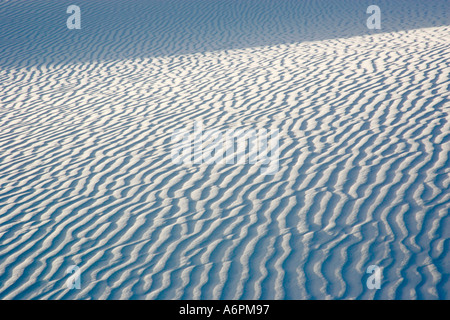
x=86, y=176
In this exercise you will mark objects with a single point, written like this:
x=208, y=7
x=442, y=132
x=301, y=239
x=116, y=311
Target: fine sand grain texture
x=87, y=178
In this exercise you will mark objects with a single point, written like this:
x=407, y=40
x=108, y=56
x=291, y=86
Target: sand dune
x=86, y=176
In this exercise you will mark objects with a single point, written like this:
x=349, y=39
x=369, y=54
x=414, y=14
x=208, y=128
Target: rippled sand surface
x=87, y=179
